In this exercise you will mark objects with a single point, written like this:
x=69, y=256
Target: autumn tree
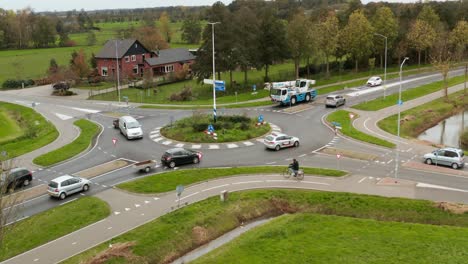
x=164, y=24
x=298, y=38
x=79, y=64
x=459, y=38
x=327, y=37
x=441, y=58
x=191, y=30
x=384, y=23
x=150, y=37
x=358, y=36
x=401, y=50
x=428, y=15
x=420, y=37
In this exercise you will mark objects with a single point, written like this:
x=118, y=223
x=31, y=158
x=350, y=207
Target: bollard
x=223, y=196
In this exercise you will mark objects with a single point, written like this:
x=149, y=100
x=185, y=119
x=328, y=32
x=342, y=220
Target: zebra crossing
x=155, y=136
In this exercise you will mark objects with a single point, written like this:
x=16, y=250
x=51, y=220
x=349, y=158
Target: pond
x=446, y=132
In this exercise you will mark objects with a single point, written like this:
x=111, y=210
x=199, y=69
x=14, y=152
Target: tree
x=384, y=23
x=420, y=37
x=298, y=38
x=191, y=30
x=80, y=66
x=428, y=15
x=53, y=66
x=63, y=39
x=91, y=38
x=459, y=38
x=165, y=26
x=44, y=32
x=358, y=36
x=441, y=58
x=150, y=37
x=401, y=50
x=327, y=37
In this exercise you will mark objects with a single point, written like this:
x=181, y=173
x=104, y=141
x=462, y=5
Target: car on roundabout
x=278, y=141
x=451, y=157
x=374, y=81
x=66, y=185
x=179, y=156
x=334, y=100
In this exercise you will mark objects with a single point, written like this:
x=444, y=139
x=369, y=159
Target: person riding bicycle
x=294, y=167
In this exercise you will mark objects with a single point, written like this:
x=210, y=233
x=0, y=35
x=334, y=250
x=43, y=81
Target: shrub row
x=12, y=84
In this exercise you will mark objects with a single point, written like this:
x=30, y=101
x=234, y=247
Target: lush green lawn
x=420, y=118
x=88, y=131
x=311, y=238
x=172, y=235
x=342, y=117
x=9, y=128
x=37, y=131
x=52, y=224
x=168, y=181
x=407, y=95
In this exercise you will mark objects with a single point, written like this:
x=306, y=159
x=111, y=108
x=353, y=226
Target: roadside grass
x=88, y=131
x=416, y=120
x=37, y=131
x=99, y=86
x=168, y=181
x=311, y=238
x=390, y=100
x=171, y=235
x=342, y=117
x=229, y=128
x=51, y=224
x=241, y=105
x=9, y=128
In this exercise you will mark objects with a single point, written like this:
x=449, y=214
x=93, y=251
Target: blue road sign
x=220, y=86
x=260, y=118
x=336, y=124
x=125, y=98
x=210, y=128
x=400, y=102
x=254, y=87
x=179, y=190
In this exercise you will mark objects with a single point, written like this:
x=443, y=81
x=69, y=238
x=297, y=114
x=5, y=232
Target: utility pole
x=214, y=72
x=399, y=114
x=385, y=67
x=117, y=62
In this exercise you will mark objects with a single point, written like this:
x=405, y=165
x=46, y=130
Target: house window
x=127, y=59
x=169, y=68
x=133, y=58
x=135, y=69
x=104, y=71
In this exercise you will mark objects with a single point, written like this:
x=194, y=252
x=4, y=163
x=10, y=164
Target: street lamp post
x=398, y=125
x=385, y=67
x=117, y=62
x=214, y=72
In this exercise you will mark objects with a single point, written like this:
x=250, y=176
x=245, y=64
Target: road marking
x=105, y=152
x=74, y=243
x=127, y=209
x=320, y=183
x=35, y=260
x=410, y=149
x=82, y=194
x=195, y=193
x=114, y=156
x=155, y=198
x=137, y=205
x=147, y=202
x=157, y=139
x=426, y=185
x=63, y=117
x=303, y=155
x=158, y=128
x=361, y=180
x=179, y=145
x=99, y=148
x=142, y=214
x=215, y=187
x=86, y=110
x=288, y=159
x=109, y=228
x=370, y=178
x=232, y=146
x=279, y=181
x=388, y=162
x=69, y=201
x=248, y=143
x=246, y=182
x=259, y=139
x=269, y=163
x=167, y=142
x=196, y=146
x=154, y=132
x=214, y=147
x=154, y=136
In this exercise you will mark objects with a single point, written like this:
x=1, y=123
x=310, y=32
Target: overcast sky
x=64, y=5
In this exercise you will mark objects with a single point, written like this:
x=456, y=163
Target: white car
x=278, y=141
x=66, y=185
x=374, y=81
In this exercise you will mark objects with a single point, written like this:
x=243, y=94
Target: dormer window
x=127, y=59
x=133, y=58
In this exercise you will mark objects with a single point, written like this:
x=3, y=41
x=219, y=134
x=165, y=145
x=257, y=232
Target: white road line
x=114, y=156
x=167, y=142
x=74, y=243
x=279, y=181
x=269, y=163
x=319, y=183
x=157, y=139
x=127, y=209
x=109, y=228
x=179, y=145
x=99, y=148
x=155, y=198
x=154, y=136
x=69, y=201
x=63, y=117
x=232, y=146
x=147, y=202
x=303, y=155
x=137, y=205
x=154, y=132
x=86, y=110
x=410, y=149
x=361, y=180
x=426, y=185
x=388, y=162
x=195, y=193
x=248, y=143
x=196, y=146
x=116, y=213
x=214, y=147
x=224, y=185
x=288, y=159
x=158, y=128
x=105, y=152
x=247, y=182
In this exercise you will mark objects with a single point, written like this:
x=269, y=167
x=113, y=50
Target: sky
x=65, y=5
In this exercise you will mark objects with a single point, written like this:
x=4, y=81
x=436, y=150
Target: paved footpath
x=367, y=121
x=130, y=210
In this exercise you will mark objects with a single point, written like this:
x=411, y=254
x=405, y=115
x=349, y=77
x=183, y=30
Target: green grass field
x=164, y=182
x=36, y=130
x=88, y=131
x=52, y=224
x=342, y=117
x=240, y=105
x=312, y=238
x=10, y=129
x=178, y=232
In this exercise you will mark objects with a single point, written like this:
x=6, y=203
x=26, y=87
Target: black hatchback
x=178, y=156
x=16, y=178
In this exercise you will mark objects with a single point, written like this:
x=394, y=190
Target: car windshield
x=53, y=184
x=133, y=125
x=269, y=138
x=276, y=92
x=373, y=79
x=330, y=98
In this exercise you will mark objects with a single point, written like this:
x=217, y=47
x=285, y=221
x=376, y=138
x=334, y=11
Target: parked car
x=130, y=128
x=66, y=185
x=278, y=141
x=374, y=81
x=61, y=86
x=178, y=156
x=16, y=177
x=115, y=123
x=452, y=157
x=334, y=100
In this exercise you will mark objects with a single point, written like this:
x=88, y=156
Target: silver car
x=278, y=141
x=374, y=81
x=452, y=157
x=66, y=185
x=334, y=100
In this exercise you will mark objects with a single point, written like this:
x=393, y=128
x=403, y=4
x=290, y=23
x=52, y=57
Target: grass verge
x=51, y=224
x=390, y=100
x=416, y=120
x=342, y=117
x=176, y=233
x=174, y=107
x=88, y=130
x=168, y=181
x=10, y=129
x=36, y=130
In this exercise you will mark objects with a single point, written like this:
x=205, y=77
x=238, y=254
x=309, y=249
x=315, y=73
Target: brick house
x=134, y=59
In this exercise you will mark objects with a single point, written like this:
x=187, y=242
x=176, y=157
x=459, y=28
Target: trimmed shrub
x=464, y=139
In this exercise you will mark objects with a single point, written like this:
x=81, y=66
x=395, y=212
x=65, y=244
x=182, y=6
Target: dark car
x=178, y=156
x=16, y=178
x=61, y=86
x=115, y=123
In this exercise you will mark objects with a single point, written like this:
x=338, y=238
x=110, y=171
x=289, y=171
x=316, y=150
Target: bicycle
x=287, y=173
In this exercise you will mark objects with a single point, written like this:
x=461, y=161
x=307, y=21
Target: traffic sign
x=179, y=190
x=125, y=98
x=254, y=87
x=210, y=128
x=338, y=155
x=351, y=115
x=260, y=119
x=400, y=102
x=114, y=141
x=220, y=86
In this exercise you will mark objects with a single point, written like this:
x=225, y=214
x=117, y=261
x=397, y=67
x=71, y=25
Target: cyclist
x=294, y=167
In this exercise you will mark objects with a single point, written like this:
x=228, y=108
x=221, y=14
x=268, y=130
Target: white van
x=130, y=128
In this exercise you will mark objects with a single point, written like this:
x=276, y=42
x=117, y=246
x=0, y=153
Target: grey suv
x=446, y=156
x=16, y=178
x=334, y=100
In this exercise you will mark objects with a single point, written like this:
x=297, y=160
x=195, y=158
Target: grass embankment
x=417, y=120
x=391, y=100
x=342, y=117
x=176, y=233
x=51, y=224
x=168, y=181
x=35, y=131
x=88, y=131
x=309, y=238
x=228, y=128
x=10, y=129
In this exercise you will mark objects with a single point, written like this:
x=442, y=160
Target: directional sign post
x=260, y=119
x=179, y=190
x=400, y=102
x=210, y=128
x=220, y=86
x=338, y=156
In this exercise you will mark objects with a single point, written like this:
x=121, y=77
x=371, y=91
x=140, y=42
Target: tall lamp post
x=214, y=72
x=385, y=67
x=398, y=125
x=117, y=62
